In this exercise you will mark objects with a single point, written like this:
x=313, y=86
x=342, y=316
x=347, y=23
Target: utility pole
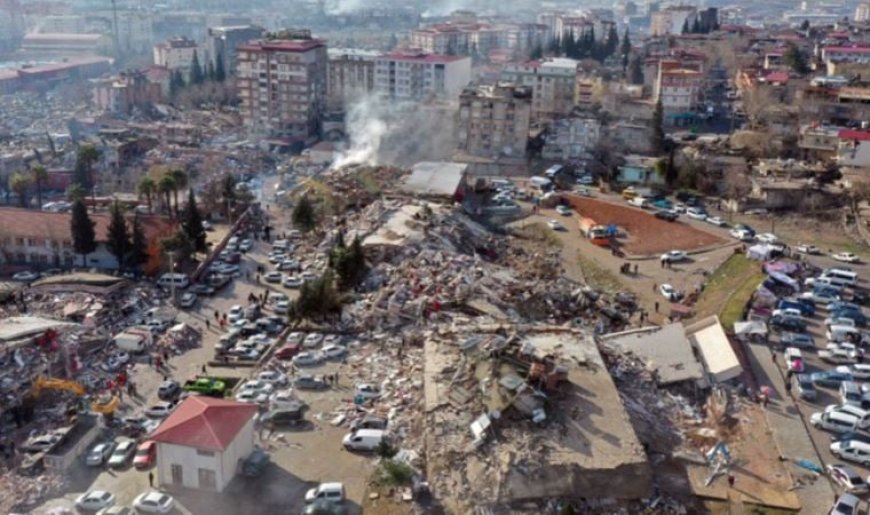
x=171, y=254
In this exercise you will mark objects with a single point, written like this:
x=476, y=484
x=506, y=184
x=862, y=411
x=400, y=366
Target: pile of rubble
x=22, y=493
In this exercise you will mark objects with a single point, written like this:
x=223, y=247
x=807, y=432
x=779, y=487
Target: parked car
x=333, y=351
x=273, y=277
x=767, y=237
x=860, y=371
x=717, y=221
x=154, y=502
x=331, y=492
x=555, y=225
x=847, y=477
x=258, y=386
x=95, y=500
x=797, y=340
x=846, y=504
x=670, y=293
x=235, y=314
x=272, y=377
x=805, y=388
x=369, y=422
x=287, y=351
x=696, y=213
x=673, y=256
x=787, y=323
x=803, y=248
x=670, y=216
x=187, y=300
x=368, y=391
x=293, y=281
x=146, y=453
x=246, y=245
x=313, y=340
x=122, y=453
x=27, y=276
x=307, y=359
x=310, y=382
x=846, y=257
x=252, y=397
x=829, y=379
x=169, y=390
x=255, y=464
x=201, y=289
x=160, y=410
x=564, y=210
x=99, y=454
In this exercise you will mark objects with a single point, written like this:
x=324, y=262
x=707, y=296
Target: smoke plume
x=388, y=132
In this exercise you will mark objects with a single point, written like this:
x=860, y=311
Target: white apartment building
x=494, y=120
x=552, y=81
x=417, y=76
x=177, y=54
x=571, y=138
x=672, y=20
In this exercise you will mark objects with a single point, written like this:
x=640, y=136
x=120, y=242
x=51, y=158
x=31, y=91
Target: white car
x=283, y=399
x=289, y=264
x=670, y=293
x=555, y=225
x=274, y=277
x=154, y=502
x=564, y=210
x=333, y=352
x=847, y=477
x=272, y=377
x=277, y=297
x=207, y=226
x=245, y=352
x=277, y=258
x=846, y=257
x=808, y=249
x=697, y=214
x=95, y=500
x=25, y=276
x=160, y=410
x=99, y=454
x=246, y=245
x=767, y=237
x=846, y=504
x=252, y=397
x=368, y=391
x=293, y=281
x=312, y=340
x=282, y=307
x=673, y=256
x=717, y=221
x=187, y=300
x=307, y=358
x=235, y=313
x=295, y=337
x=258, y=386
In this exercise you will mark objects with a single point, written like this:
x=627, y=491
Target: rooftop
x=421, y=57
x=15, y=328
x=206, y=423
x=286, y=45
x=435, y=178
x=665, y=349
x=29, y=223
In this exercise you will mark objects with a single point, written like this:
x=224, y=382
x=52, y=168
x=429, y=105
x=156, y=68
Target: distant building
x=282, y=86
x=862, y=12
x=418, y=76
x=470, y=39
x=639, y=171
x=571, y=139
x=120, y=94
x=672, y=20
x=679, y=91
x=552, y=81
x=45, y=76
x=222, y=43
x=62, y=24
x=57, y=43
x=351, y=75
x=853, y=149
x=494, y=120
x=177, y=54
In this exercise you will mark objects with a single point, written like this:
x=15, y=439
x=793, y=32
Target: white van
x=851, y=394
x=852, y=450
x=639, y=202
x=553, y=171
x=541, y=183
x=849, y=409
x=840, y=277
x=280, y=245
x=842, y=333
x=332, y=492
x=835, y=421
x=180, y=281
x=363, y=439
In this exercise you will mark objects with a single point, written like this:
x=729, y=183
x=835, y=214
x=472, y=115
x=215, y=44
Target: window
x=200, y=452
x=176, y=474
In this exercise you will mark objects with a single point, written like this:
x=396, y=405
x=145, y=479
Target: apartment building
x=222, y=43
x=862, y=12
x=418, y=76
x=282, y=86
x=351, y=75
x=679, y=90
x=552, y=81
x=177, y=54
x=479, y=38
x=120, y=94
x=571, y=138
x=672, y=20
x=494, y=120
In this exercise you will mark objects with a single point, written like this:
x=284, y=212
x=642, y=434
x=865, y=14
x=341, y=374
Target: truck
x=596, y=233
x=206, y=386
x=134, y=339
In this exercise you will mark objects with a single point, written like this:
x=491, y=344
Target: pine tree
x=303, y=215
x=685, y=26
x=191, y=223
x=554, y=46
x=658, y=138
x=82, y=231
x=795, y=59
x=696, y=26
x=118, y=238
x=569, y=45
x=636, y=72
x=612, y=41
x=138, y=245
x=176, y=83
x=625, y=50
x=220, y=74
x=209, y=71
x=537, y=52
x=83, y=174
x=196, y=74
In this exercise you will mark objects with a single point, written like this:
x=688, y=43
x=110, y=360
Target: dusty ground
x=647, y=235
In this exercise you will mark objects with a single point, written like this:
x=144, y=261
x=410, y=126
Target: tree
x=228, y=193
x=118, y=238
x=176, y=83
x=191, y=223
x=537, y=52
x=196, y=73
x=179, y=245
x=179, y=182
x=138, y=244
x=685, y=26
x=82, y=231
x=75, y=192
x=303, y=216
x=40, y=177
x=696, y=26
x=166, y=185
x=220, y=74
x=612, y=41
x=349, y=263
x=658, y=138
x=625, y=50
x=805, y=25
x=19, y=183
x=795, y=59
x=87, y=157
x=393, y=42
x=635, y=75
x=146, y=188
x=317, y=299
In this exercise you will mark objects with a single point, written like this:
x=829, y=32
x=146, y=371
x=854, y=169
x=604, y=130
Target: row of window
x=36, y=242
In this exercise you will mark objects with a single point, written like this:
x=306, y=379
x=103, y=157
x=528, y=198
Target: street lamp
x=171, y=254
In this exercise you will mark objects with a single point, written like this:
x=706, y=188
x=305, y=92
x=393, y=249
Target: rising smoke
x=388, y=132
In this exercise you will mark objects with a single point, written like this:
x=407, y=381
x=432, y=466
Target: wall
x=241, y=447
x=191, y=462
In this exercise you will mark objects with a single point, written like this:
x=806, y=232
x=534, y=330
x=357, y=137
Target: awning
x=750, y=327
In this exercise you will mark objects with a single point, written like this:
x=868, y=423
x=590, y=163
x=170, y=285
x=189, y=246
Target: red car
x=145, y=454
x=288, y=351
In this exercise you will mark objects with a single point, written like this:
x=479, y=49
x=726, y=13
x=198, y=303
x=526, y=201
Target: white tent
x=759, y=252
x=750, y=327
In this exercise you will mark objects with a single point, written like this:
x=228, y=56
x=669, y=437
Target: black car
x=786, y=323
x=858, y=436
x=666, y=215
x=289, y=416
x=169, y=391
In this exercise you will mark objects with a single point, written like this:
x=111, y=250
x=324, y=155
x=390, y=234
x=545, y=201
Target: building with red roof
x=202, y=442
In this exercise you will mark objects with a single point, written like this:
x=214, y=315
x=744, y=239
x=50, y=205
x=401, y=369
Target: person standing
x=151, y=479
x=731, y=480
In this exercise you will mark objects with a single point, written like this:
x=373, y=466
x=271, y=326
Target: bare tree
x=737, y=185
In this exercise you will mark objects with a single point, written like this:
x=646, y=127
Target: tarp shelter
x=764, y=298
x=783, y=267
x=784, y=279
x=719, y=358
x=759, y=252
x=750, y=328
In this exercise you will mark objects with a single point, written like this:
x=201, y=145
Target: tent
x=759, y=252
x=750, y=328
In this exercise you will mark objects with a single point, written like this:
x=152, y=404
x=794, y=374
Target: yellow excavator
x=104, y=404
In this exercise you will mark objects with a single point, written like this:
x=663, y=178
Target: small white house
x=201, y=444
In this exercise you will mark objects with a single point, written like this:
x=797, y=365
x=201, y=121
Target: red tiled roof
x=853, y=135
x=776, y=77
x=848, y=49
x=206, y=423
x=29, y=223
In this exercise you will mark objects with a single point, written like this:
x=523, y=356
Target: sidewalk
x=788, y=429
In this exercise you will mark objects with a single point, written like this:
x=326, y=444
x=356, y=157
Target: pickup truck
x=206, y=386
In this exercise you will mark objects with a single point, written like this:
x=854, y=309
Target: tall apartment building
x=672, y=20
x=552, y=81
x=862, y=12
x=479, y=38
x=417, y=76
x=282, y=86
x=494, y=120
x=177, y=54
x=120, y=94
x=222, y=43
x=351, y=75
x=679, y=90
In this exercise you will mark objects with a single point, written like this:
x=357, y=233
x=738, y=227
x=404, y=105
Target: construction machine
x=104, y=404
